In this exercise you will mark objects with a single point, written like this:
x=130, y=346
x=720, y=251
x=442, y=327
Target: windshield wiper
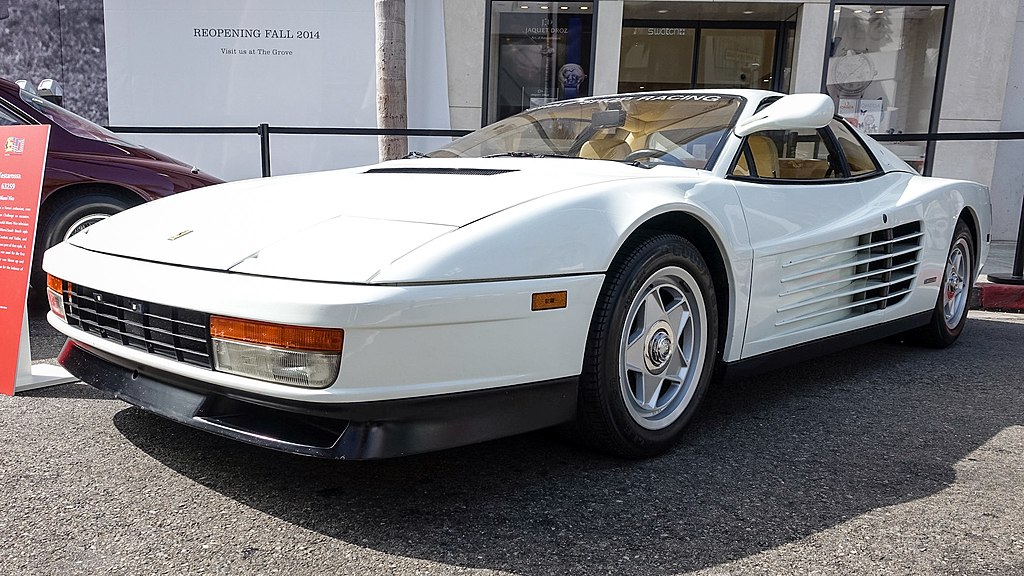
x=525, y=155
x=641, y=164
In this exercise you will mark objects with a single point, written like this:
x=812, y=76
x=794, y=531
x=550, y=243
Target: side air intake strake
x=848, y=278
x=455, y=171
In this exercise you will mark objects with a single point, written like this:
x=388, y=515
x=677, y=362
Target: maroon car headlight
x=292, y=355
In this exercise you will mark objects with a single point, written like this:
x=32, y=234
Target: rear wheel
x=950, y=312
x=651, y=349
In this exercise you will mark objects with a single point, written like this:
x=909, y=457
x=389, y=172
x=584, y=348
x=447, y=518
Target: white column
x=811, y=39
x=978, y=69
x=1008, y=177
x=464, y=45
x=609, y=37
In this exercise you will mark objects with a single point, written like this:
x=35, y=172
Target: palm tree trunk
x=389, y=16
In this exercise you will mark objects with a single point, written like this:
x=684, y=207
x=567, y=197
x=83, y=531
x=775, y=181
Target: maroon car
x=91, y=172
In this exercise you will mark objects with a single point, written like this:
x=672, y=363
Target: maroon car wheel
x=73, y=214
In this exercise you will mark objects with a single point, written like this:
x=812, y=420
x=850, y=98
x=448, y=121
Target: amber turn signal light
x=549, y=300
x=277, y=335
x=55, y=295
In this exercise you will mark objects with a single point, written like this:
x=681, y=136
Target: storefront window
x=539, y=52
x=656, y=57
x=736, y=59
x=882, y=70
x=682, y=54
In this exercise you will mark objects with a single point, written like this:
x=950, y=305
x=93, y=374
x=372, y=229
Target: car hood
x=340, y=226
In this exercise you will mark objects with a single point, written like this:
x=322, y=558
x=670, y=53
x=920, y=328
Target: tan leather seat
x=609, y=145
x=802, y=168
x=766, y=155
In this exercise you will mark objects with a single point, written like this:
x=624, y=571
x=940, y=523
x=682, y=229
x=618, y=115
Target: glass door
x=736, y=58
x=537, y=52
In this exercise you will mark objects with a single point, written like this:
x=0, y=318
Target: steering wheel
x=660, y=155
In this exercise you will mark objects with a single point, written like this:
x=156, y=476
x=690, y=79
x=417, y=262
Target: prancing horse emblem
x=180, y=234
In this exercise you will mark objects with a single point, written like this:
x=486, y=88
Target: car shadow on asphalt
x=769, y=461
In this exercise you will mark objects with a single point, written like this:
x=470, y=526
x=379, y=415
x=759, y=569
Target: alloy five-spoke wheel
x=83, y=223
x=956, y=290
x=660, y=351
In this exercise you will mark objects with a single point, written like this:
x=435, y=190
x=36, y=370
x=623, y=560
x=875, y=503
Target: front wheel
x=651, y=349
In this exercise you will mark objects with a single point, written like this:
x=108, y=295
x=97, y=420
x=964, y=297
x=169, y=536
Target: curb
x=997, y=297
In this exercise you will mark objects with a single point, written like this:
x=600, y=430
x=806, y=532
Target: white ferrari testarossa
x=592, y=263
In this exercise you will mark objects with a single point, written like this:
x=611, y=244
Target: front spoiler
x=355, y=431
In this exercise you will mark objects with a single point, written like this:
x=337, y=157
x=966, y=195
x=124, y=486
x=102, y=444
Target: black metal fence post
x=1017, y=276
x=264, y=131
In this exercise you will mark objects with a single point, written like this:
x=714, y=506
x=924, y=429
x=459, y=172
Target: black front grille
x=174, y=333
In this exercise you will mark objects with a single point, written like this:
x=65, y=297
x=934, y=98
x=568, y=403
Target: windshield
x=680, y=129
x=72, y=122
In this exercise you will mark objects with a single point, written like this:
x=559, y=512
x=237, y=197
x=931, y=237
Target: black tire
x=636, y=394
x=950, y=314
x=85, y=206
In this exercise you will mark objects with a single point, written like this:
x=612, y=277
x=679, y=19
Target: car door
x=833, y=246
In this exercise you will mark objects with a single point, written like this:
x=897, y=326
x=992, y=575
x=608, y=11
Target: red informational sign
x=22, y=159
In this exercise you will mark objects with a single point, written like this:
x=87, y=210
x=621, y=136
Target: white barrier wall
x=244, y=62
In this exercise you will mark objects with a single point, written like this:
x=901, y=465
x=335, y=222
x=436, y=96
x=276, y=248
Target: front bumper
x=400, y=341
x=357, y=431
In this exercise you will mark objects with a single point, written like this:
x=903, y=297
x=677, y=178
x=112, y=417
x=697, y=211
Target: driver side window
x=8, y=119
x=788, y=155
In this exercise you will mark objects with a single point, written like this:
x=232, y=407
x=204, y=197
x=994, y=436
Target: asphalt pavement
x=884, y=459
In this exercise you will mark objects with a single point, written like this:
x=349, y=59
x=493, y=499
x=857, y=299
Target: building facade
x=910, y=67
x=898, y=67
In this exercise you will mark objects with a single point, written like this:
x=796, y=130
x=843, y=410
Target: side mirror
x=51, y=90
x=793, y=112
x=26, y=86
